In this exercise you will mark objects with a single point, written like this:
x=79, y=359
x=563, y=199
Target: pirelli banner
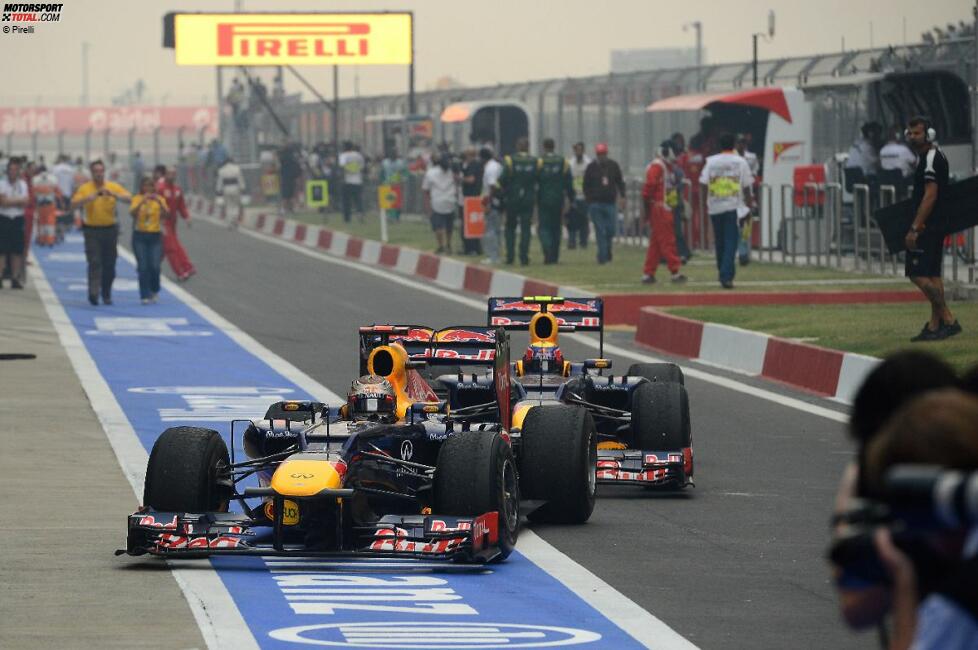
x=293, y=39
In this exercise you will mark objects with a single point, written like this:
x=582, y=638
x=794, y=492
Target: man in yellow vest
x=98, y=198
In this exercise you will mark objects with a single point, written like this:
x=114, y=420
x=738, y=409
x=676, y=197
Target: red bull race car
x=388, y=473
x=556, y=456
x=642, y=417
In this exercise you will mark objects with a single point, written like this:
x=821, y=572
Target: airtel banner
x=117, y=119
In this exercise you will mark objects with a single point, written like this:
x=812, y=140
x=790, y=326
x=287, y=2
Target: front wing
x=429, y=537
x=640, y=467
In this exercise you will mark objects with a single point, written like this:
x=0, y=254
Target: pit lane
x=735, y=562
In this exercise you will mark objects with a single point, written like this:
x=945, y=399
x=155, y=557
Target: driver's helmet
x=543, y=357
x=371, y=397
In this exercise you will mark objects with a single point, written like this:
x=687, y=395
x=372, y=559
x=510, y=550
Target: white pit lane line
x=217, y=616
x=480, y=305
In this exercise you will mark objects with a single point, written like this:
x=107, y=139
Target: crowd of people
x=909, y=571
x=48, y=203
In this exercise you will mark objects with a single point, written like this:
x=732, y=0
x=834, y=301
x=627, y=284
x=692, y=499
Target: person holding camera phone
x=148, y=211
x=98, y=198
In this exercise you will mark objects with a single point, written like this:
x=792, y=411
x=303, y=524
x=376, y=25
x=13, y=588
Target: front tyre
x=188, y=472
x=476, y=473
x=558, y=462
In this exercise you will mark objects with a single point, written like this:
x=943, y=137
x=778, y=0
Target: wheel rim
x=592, y=466
x=511, y=500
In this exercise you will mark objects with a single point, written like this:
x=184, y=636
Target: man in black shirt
x=925, y=240
x=604, y=186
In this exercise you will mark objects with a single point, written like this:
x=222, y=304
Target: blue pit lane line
x=166, y=366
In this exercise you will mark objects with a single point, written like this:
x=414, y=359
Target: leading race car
x=385, y=474
x=557, y=461
x=642, y=417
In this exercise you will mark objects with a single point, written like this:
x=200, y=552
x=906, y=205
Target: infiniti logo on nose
x=448, y=635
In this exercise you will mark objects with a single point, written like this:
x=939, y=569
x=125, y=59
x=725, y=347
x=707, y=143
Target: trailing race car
x=642, y=417
x=385, y=474
x=557, y=458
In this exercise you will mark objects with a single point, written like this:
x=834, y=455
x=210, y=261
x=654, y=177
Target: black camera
x=917, y=501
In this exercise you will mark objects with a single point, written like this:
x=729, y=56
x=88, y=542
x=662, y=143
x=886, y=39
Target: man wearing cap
x=519, y=182
x=603, y=187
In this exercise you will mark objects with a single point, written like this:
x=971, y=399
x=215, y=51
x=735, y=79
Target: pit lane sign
x=294, y=39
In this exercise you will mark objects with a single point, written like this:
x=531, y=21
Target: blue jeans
x=727, y=237
x=148, y=249
x=604, y=216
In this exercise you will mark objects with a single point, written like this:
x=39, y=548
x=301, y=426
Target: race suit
x=657, y=193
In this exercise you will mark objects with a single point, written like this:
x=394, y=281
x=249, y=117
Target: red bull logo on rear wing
x=584, y=314
x=467, y=344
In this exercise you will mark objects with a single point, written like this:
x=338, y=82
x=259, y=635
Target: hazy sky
x=477, y=43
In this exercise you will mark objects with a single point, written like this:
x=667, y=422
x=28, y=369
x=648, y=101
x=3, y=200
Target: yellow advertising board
x=293, y=39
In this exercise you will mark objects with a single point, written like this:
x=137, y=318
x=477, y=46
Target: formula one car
x=384, y=474
x=557, y=462
x=642, y=417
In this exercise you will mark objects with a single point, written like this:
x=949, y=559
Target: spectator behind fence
x=493, y=203
x=727, y=182
x=175, y=254
x=659, y=196
x=747, y=227
x=577, y=223
x=393, y=172
x=692, y=161
x=933, y=590
x=137, y=167
x=441, y=200
x=896, y=156
x=98, y=197
x=14, y=197
x=893, y=383
x=472, y=171
x=352, y=163
x=864, y=152
x=519, y=182
x=925, y=240
x=290, y=169
x=604, y=187
x=555, y=191
x=148, y=210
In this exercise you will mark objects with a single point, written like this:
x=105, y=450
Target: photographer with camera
x=906, y=544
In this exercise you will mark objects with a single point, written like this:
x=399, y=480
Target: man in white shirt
x=352, y=163
x=577, y=223
x=440, y=189
x=14, y=197
x=231, y=187
x=492, y=201
x=895, y=155
x=864, y=151
x=727, y=182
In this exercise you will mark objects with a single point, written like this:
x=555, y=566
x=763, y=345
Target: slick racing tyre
x=558, y=462
x=660, y=416
x=188, y=472
x=658, y=372
x=476, y=474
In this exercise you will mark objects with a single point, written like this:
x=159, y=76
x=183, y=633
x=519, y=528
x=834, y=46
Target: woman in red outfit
x=172, y=248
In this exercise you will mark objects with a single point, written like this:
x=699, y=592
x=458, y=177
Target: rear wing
x=583, y=314
x=467, y=345
x=416, y=339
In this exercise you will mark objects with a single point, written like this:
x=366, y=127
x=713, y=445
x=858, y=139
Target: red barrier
x=671, y=334
x=806, y=366
x=477, y=279
x=354, y=247
x=428, y=265
x=389, y=255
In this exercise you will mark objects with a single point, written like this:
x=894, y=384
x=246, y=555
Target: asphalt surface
x=734, y=563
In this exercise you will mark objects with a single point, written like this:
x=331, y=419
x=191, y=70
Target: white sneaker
x=154, y=298
x=145, y=301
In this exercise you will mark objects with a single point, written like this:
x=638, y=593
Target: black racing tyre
x=660, y=416
x=188, y=472
x=558, y=462
x=476, y=474
x=658, y=372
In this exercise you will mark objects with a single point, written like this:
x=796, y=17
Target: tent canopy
x=770, y=99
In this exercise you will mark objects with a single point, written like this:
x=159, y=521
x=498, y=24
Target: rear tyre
x=656, y=372
x=188, y=472
x=476, y=474
x=660, y=416
x=558, y=462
